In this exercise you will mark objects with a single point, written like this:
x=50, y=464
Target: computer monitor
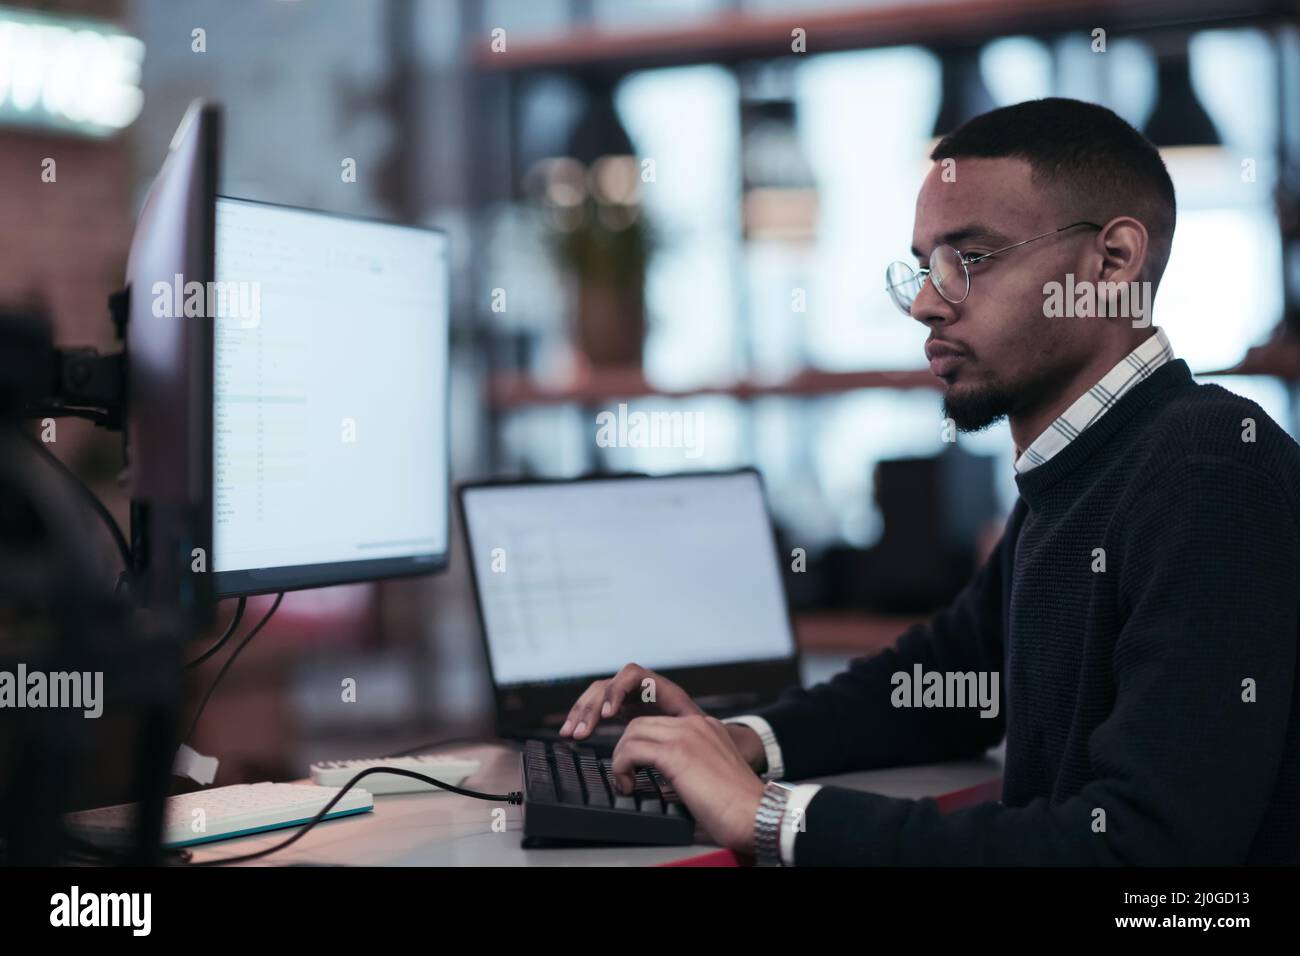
x=169, y=378
x=678, y=573
x=159, y=391
x=330, y=443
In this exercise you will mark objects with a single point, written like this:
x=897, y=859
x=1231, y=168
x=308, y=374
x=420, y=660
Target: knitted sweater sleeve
x=1203, y=668
x=849, y=722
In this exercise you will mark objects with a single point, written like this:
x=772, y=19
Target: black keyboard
x=569, y=798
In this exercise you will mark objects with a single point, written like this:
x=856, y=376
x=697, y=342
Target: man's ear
x=1122, y=246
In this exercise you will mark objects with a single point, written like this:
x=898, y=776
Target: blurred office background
x=682, y=205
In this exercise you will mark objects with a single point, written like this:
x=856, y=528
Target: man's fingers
x=631, y=755
x=644, y=735
x=616, y=688
x=614, y=695
x=602, y=699
x=581, y=713
x=653, y=727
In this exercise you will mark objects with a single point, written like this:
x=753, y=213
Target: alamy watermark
x=74, y=908
x=923, y=688
x=213, y=300
x=76, y=690
x=624, y=429
x=1101, y=300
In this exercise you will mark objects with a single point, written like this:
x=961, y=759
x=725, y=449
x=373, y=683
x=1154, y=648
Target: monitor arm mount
x=80, y=382
x=40, y=382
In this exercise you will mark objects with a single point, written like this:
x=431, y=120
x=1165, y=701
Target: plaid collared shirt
x=1094, y=403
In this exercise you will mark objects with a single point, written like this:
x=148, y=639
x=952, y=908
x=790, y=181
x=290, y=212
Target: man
x=1142, y=606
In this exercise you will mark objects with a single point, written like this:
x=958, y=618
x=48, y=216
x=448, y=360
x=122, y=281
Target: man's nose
x=930, y=308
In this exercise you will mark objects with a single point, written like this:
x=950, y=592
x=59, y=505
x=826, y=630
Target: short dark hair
x=1100, y=165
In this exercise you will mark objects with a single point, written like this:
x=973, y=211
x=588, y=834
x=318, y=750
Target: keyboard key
x=622, y=801
x=568, y=786
x=649, y=799
x=598, y=794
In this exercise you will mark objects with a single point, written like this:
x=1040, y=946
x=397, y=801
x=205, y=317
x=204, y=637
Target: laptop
x=575, y=578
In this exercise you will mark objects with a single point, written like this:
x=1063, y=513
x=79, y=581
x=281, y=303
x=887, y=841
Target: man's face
x=996, y=352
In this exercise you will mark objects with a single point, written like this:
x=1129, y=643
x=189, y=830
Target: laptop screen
x=579, y=578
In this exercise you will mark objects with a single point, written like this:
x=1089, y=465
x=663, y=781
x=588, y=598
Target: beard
x=975, y=409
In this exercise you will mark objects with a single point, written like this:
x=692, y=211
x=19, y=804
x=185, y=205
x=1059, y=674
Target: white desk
x=444, y=829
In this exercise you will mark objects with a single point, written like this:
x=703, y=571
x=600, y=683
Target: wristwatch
x=767, y=824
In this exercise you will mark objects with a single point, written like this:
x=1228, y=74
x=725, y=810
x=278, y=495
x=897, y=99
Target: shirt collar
x=1133, y=368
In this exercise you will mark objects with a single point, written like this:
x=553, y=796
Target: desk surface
x=444, y=829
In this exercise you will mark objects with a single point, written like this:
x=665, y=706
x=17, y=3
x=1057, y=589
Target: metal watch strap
x=767, y=824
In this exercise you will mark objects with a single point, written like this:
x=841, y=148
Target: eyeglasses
x=948, y=270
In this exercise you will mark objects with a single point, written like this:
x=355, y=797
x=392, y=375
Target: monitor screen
x=330, y=415
x=579, y=578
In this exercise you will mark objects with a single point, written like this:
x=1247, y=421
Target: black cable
x=221, y=641
x=226, y=666
x=87, y=495
x=514, y=798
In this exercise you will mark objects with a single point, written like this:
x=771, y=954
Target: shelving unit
x=732, y=37
x=510, y=390
x=738, y=39
x=735, y=36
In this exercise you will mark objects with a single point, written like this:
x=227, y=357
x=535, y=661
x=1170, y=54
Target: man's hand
x=750, y=745
x=631, y=692
x=635, y=691
x=699, y=757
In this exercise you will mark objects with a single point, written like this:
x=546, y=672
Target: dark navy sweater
x=1151, y=710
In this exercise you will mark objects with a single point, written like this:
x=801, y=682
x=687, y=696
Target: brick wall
x=64, y=243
